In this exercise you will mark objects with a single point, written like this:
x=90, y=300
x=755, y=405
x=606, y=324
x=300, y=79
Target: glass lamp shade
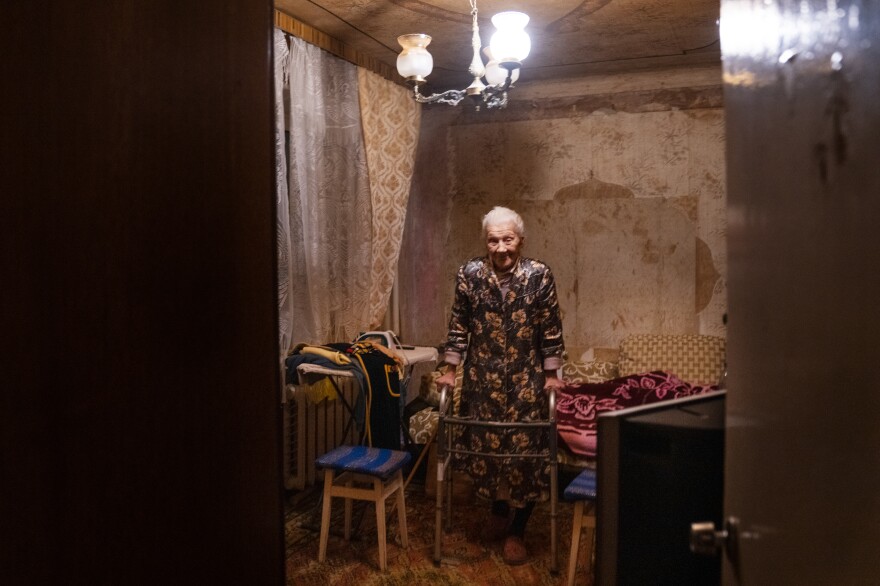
x=414, y=62
x=510, y=43
x=495, y=74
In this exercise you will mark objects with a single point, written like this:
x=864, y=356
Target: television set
x=660, y=467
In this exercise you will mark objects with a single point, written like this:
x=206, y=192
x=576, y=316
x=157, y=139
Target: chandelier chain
x=476, y=67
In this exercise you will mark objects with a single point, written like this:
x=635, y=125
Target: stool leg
x=348, y=503
x=401, y=510
x=325, y=515
x=380, y=521
x=576, y=527
x=589, y=522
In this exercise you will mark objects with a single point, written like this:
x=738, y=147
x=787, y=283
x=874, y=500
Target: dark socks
x=520, y=516
x=500, y=508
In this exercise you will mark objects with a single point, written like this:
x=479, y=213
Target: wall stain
x=689, y=204
x=592, y=189
x=650, y=254
x=707, y=276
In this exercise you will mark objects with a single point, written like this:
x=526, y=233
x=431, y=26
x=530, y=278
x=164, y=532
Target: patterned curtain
x=390, y=120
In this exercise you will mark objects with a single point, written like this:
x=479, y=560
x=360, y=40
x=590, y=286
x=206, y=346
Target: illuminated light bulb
x=510, y=43
x=414, y=62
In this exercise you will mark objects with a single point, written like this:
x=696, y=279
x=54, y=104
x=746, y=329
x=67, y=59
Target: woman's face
x=504, y=246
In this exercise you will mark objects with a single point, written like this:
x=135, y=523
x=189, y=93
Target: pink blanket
x=578, y=406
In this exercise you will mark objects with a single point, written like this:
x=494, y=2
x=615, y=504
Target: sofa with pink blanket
x=644, y=369
x=648, y=368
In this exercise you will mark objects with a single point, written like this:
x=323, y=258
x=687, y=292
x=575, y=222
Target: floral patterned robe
x=504, y=342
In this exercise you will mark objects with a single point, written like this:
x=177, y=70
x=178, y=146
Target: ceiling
x=570, y=38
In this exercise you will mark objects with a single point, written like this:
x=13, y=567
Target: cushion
x=594, y=371
x=694, y=358
x=379, y=462
x=422, y=425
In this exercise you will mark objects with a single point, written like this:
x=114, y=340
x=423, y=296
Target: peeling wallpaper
x=626, y=204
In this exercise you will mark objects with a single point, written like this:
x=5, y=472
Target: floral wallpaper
x=626, y=203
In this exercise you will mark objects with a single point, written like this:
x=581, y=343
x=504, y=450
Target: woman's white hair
x=500, y=215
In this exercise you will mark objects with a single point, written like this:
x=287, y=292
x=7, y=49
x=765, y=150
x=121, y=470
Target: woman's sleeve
x=457, y=339
x=551, y=318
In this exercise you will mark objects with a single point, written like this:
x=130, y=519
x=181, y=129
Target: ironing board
x=308, y=374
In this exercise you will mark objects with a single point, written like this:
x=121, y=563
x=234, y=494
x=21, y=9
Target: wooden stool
x=582, y=491
x=380, y=470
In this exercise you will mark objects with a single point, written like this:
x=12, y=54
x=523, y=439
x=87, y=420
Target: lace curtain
x=339, y=224
x=285, y=301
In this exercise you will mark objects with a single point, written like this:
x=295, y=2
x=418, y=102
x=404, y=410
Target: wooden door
x=802, y=81
x=140, y=432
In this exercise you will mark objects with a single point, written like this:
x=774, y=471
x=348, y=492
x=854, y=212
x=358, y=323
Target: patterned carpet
x=466, y=561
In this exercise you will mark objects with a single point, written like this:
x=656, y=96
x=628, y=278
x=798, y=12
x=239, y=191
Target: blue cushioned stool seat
x=366, y=474
x=363, y=460
x=581, y=490
x=583, y=487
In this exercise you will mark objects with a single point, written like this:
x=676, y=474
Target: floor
x=466, y=560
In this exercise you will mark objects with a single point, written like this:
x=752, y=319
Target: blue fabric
x=363, y=460
x=583, y=487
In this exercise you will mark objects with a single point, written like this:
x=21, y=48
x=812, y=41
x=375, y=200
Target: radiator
x=312, y=429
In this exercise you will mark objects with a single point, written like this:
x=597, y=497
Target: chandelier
x=510, y=44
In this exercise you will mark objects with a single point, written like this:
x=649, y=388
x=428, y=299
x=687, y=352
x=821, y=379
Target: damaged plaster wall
x=620, y=182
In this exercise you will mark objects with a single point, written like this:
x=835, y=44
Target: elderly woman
x=506, y=326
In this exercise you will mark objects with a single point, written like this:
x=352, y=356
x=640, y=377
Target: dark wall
x=139, y=412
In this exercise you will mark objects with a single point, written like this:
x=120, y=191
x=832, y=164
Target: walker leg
x=438, y=513
x=554, y=513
